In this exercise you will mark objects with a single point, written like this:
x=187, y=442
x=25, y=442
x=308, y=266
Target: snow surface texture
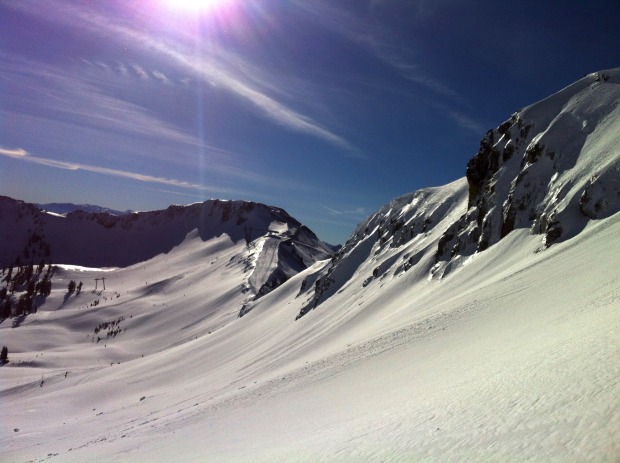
x=437, y=333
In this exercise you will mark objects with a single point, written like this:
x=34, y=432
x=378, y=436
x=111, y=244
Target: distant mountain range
x=65, y=208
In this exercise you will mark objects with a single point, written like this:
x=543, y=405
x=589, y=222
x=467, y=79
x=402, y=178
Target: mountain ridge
x=275, y=245
x=531, y=172
x=65, y=208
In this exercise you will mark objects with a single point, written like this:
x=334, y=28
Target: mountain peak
x=551, y=168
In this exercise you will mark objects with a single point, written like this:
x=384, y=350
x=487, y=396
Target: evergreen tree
x=24, y=305
x=9, y=275
x=44, y=287
x=13, y=286
x=29, y=272
x=47, y=287
x=4, y=355
x=20, y=277
x=31, y=288
x=6, y=307
x=71, y=287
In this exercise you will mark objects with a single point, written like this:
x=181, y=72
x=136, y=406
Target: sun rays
x=196, y=6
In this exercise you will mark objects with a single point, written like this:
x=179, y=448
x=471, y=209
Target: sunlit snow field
x=514, y=359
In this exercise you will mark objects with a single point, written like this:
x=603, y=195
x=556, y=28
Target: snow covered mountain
x=65, y=208
x=476, y=321
x=275, y=246
x=551, y=168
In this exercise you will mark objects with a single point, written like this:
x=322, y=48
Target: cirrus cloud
x=21, y=154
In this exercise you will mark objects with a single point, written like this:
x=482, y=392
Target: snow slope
x=434, y=334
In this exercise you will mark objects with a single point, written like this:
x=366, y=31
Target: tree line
x=31, y=282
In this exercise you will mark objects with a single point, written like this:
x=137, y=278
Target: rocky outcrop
x=529, y=171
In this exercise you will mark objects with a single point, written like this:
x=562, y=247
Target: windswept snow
x=416, y=341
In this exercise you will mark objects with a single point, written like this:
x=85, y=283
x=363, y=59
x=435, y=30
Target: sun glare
x=193, y=5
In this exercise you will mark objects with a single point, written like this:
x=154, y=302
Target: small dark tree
x=4, y=355
x=47, y=287
x=71, y=287
x=6, y=307
x=79, y=288
x=9, y=275
x=20, y=277
x=24, y=305
x=13, y=286
x=31, y=288
x=44, y=287
x=29, y=272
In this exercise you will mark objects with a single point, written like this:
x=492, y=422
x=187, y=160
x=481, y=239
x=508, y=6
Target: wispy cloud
x=411, y=71
x=85, y=102
x=21, y=154
x=128, y=70
x=140, y=72
x=465, y=121
x=355, y=212
x=376, y=40
x=161, y=77
x=230, y=178
x=210, y=69
x=13, y=153
x=386, y=48
x=332, y=211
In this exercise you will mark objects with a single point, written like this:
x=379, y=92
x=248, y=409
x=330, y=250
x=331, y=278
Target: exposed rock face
x=550, y=168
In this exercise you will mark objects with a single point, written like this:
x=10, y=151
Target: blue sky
x=326, y=108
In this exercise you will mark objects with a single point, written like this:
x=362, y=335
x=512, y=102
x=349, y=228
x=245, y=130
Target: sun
x=193, y=5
